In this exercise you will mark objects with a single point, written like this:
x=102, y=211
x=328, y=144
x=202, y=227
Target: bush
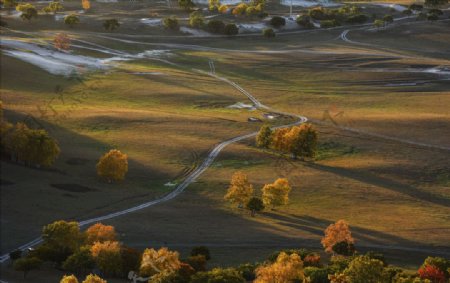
x=277, y=21
x=218, y=275
x=71, y=20
x=268, y=32
x=329, y=24
x=388, y=19
x=344, y=248
x=80, y=262
x=113, y=166
x=216, y=26
x=255, y=204
x=201, y=250
x=248, y=271
x=196, y=19
x=305, y=21
x=318, y=13
x=357, y=19
x=231, y=29
x=316, y=275
x=171, y=23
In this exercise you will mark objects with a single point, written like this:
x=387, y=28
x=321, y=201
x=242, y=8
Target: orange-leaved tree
x=276, y=194
x=113, y=165
x=336, y=233
x=286, y=268
x=100, y=233
x=86, y=4
x=157, y=261
x=107, y=257
x=61, y=41
x=240, y=190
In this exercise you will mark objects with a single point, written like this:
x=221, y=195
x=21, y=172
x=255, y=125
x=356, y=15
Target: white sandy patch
x=151, y=22
x=306, y=3
x=195, y=32
x=248, y=28
x=444, y=71
x=11, y=14
x=59, y=17
x=240, y=105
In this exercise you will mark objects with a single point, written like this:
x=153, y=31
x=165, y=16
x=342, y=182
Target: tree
x=42, y=149
x=28, y=11
x=26, y=264
x=86, y=4
x=216, y=26
x=213, y=5
x=440, y=262
x=435, y=3
x=335, y=233
x=388, y=19
x=432, y=17
x=432, y=273
x=196, y=19
x=9, y=3
x=240, y=190
x=286, y=268
x=156, y=261
x=255, y=204
x=276, y=194
x=201, y=250
x=277, y=21
x=223, y=9
x=268, y=33
x=301, y=141
x=171, y=23
x=69, y=279
x=198, y=262
x=80, y=262
x=240, y=9
x=344, y=248
x=186, y=4
x=53, y=7
x=316, y=275
x=61, y=239
x=305, y=21
x=218, y=275
x=131, y=259
x=111, y=24
x=264, y=137
x=71, y=20
x=231, y=29
x=107, y=257
x=94, y=279
x=100, y=233
x=363, y=269
x=61, y=41
x=378, y=23
x=113, y=166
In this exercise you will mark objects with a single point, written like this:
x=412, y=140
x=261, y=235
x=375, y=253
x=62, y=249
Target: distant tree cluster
x=253, y=9
x=241, y=193
x=299, y=141
x=25, y=145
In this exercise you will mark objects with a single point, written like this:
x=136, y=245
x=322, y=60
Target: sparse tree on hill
x=276, y=194
x=100, y=233
x=156, y=261
x=286, y=268
x=69, y=279
x=111, y=24
x=196, y=19
x=223, y=9
x=94, y=279
x=255, y=205
x=113, y=166
x=71, y=20
x=26, y=264
x=240, y=190
x=186, y=4
x=107, y=257
x=335, y=233
x=264, y=137
x=53, y=7
x=28, y=11
x=171, y=23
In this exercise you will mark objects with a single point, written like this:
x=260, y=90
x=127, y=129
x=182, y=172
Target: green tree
x=111, y=24
x=186, y=4
x=26, y=264
x=27, y=10
x=302, y=141
x=171, y=23
x=71, y=20
x=61, y=238
x=264, y=137
x=196, y=19
x=216, y=26
x=316, y=275
x=231, y=29
x=218, y=275
x=80, y=262
x=277, y=21
x=268, y=33
x=255, y=204
x=363, y=269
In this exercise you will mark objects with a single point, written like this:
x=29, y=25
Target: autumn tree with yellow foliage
x=107, y=257
x=240, y=190
x=94, y=279
x=113, y=166
x=69, y=279
x=286, y=268
x=85, y=4
x=337, y=233
x=300, y=141
x=157, y=261
x=276, y=194
x=100, y=233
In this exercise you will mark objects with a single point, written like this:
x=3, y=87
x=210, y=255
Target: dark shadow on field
x=366, y=177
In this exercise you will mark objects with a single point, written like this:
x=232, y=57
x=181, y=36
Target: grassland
x=395, y=196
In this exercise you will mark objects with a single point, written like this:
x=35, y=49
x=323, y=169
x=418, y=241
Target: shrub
x=305, y=21
x=277, y=21
x=171, y=23
x=27, y=264
x=218, y=275
x=329, y=24
x=268, y=33
x=201, y=250
x=71, y=20
x=255, y=204
x=196, y=19
x=231, y=29
x=216, y=26
x=357, y=19
x=316, y=275
x=248, y=271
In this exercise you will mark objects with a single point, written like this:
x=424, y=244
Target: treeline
x=98, y=248
x=299, y=141
x=25, y=145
